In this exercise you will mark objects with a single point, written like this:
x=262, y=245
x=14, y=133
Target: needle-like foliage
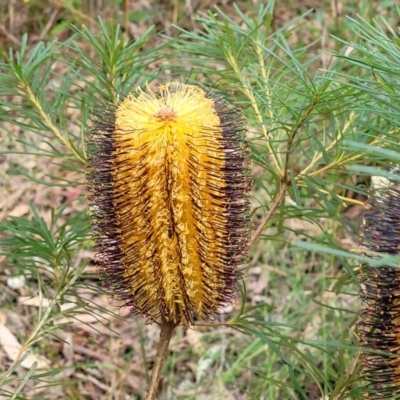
x=319, y=125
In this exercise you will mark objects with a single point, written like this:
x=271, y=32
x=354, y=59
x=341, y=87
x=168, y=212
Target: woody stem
x=162, y=349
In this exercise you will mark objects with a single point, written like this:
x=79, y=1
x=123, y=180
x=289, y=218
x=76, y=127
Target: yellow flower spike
x=169, y=183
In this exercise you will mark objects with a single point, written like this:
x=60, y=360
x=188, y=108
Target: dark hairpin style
x=379, y=322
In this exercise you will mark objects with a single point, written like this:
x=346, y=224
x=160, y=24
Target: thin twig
x=49, y=24
x=9, y=35
x=48, y=121
x=274, y=206
x=284, y=177
x=294, y=134
x=162, y=349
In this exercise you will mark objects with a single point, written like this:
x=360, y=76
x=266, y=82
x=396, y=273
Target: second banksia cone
x=169, y=183
x=379, y=324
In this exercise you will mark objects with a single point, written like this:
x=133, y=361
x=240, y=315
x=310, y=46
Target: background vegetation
x=319, y=89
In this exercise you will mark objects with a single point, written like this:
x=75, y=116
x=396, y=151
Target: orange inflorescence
x=169, y=188
x=379, y=323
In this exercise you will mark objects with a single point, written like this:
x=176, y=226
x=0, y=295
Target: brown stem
x=277, y=201
x=293, y=136
x=162, y=349
x=284, y=178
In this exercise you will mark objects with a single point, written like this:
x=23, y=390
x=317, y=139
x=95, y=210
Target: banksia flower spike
x=379, y=323
x=168, y=178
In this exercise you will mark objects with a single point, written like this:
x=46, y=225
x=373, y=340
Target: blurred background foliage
x=318, y=83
